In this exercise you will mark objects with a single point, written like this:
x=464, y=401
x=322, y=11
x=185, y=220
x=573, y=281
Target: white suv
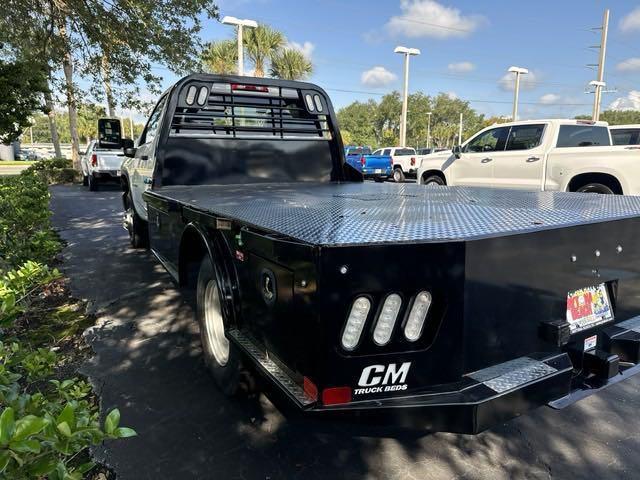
x=565, y=155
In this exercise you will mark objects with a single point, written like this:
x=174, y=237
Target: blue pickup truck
x=375, y=167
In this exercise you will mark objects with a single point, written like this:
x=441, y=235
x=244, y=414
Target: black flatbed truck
x=458, y=307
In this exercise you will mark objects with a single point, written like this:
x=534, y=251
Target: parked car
x=25, y=155
x=101, y=165
x=374, y=166
x=565, y=155
x=625, y=134
x=404, y=162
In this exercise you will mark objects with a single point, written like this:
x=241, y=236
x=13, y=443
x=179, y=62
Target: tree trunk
x=67, y=67
x=55, y=139
x=106, y=78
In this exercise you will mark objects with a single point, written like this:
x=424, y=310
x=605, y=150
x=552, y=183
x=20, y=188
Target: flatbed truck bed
x=441, y=308
x=345, y=214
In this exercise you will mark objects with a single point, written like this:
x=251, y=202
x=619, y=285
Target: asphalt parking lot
x=147, y=362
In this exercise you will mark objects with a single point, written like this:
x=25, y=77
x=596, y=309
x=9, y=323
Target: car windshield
x=405, y=151
x=359, y=151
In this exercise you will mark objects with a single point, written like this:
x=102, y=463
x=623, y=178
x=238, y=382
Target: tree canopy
x=378, y=123
x=22, y=85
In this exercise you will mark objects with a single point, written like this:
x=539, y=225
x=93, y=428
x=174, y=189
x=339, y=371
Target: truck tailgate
x=377, y=161
x=109, y=160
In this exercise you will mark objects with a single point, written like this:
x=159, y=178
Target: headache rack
x=233, y=110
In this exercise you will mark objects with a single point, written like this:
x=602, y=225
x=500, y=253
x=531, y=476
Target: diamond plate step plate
x=512, y=374
x=272, y=368
x=335, y=214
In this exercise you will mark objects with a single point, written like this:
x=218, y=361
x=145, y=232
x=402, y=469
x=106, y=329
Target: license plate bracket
x=588, y=307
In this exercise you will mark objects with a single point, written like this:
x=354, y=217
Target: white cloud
x=428, y=18
x=550, y=98
x=461, y=67
x=631, y=22
x=629, y=65
x=630, y=102
x=377, y=77
x=452, y=95
x=306, y=48
x=508, y=81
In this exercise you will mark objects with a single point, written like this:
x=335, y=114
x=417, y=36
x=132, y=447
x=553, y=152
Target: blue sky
x=466, y=47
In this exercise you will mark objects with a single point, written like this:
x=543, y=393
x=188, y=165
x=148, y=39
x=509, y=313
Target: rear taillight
x=413, y=161
x=94, y=160
x=417, y=316
x=355, y=323
x=387, y=319
x=363, y=160
x=336, y=395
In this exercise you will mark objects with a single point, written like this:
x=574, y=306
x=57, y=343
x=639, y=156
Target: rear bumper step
x=483, y=398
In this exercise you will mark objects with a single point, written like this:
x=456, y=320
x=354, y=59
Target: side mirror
x=128, y=148
x=457, y=151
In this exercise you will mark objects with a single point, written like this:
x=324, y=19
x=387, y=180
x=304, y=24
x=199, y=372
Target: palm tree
x=220, y=57
x=262, y=43
x=290, y=64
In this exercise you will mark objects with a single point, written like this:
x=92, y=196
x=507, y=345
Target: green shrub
x=43, y=430
x=53, y=171
x=25, y=227
x=16, y=287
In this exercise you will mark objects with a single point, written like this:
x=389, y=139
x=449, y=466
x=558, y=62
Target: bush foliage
x=46, y=423
x=52, y=171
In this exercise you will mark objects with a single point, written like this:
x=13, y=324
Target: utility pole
x=407, y=52
x=428, y=129
x=518, y=71
x=460, y=131
x=131, y=124
x=240, y=23
x=597, y=97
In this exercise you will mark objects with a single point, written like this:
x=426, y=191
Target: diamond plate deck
x=631, y=324
x=333, y=214
x=512, y=374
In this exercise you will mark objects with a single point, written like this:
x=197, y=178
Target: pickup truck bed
x=358, y=214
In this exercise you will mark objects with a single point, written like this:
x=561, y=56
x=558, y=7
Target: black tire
x=596, y=188
x=93, y=183
x=138, y=229
x=85, y=180
x=227, y=375
x=433, y=180
x=398, y=175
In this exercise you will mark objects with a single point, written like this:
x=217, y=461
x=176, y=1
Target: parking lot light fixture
x=240, y=23
x=518, y=71
x=407, y=52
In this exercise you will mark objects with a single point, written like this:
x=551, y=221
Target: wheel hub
x=217, y=342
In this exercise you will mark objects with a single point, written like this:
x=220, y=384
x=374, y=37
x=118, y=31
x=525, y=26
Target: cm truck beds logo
x=383, y=378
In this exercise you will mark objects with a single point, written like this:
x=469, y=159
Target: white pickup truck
x=558, y=155
x=405, y=162
x=101, y=165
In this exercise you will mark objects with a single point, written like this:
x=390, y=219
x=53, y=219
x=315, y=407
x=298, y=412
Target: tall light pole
x=407, y=52
x=240, y=23
x=597, y=98
x=428, y=129
x=518, y=71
